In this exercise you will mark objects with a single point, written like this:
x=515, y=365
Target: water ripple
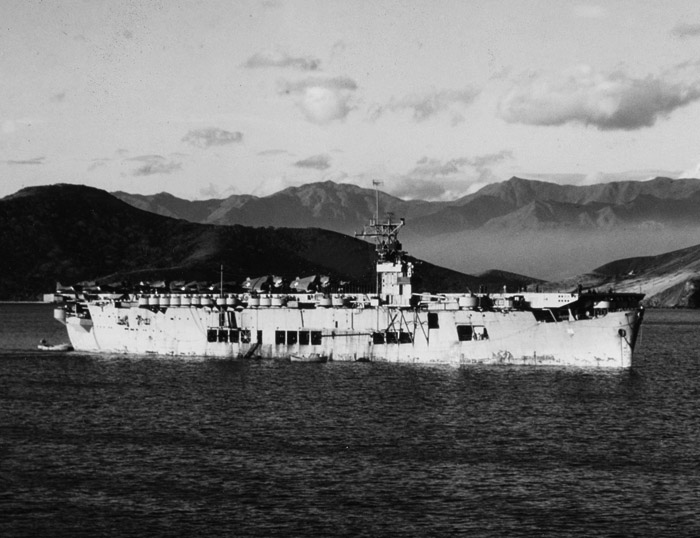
x=136, y=446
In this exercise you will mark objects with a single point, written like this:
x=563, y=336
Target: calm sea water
x=139, y=446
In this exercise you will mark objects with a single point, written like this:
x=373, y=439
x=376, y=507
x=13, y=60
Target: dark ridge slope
x=72, y=233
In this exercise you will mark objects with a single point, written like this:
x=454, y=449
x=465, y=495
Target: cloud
x=317, y=162
x=282, y=60
x=272, y=4
x=322, y=100
x=205, y=138
x=36, y=160
x=272, y=185
x=434, y=179
x=11, y=126
x=155, y=164
x=58, y=97
x=98, y=163
x=590, y=11
x=338, y=49
x=561, y=179
x=212, y=191
x=427, y=105
x=607, y=101
x=693, y=173
x=273, y=152
x=482, y=162
x=684, y=30
x=593, y=178
x=415, y=188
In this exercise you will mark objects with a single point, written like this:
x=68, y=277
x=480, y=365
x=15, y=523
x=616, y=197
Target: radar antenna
x=385, y=233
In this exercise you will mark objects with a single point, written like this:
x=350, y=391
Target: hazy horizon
x=546, y=254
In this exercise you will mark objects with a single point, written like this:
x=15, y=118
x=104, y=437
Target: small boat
x=45, y=346
x=312, y=357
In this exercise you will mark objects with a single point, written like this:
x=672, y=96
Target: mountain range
x=522, y=202
x=73, y=233
x=524, y=226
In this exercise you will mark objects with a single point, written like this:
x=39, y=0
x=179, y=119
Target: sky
x=434, y=98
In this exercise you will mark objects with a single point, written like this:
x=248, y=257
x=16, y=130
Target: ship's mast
x=376, y=184
x=385, y=235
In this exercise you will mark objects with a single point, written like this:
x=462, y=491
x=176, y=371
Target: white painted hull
x=349, y=334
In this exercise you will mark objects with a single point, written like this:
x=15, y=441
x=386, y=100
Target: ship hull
x=384, y=333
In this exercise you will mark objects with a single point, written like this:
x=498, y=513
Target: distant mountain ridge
x=344, y=207
x=524, y=226
x=328, y=205
x=71, y=233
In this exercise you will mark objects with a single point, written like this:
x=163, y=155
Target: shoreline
x=27, y=302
